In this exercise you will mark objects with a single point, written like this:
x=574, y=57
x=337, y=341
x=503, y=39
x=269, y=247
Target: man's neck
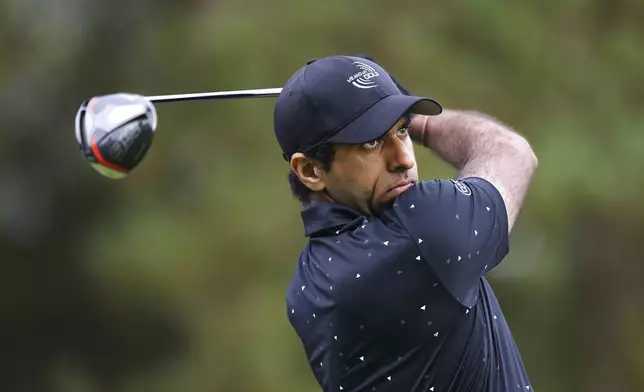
x=320, y=197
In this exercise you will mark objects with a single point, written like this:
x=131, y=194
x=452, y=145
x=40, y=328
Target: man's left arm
x=479, y=146
x=460, y=229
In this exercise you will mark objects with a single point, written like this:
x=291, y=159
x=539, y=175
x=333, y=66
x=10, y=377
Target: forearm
x=459, y=137
x=479, y=146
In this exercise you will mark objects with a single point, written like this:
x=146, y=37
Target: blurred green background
x=174, y=278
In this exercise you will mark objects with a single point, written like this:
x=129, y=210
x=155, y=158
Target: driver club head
x=114, y=132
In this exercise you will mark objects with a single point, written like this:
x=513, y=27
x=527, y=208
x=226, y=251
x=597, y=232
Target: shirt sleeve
x=460, y=228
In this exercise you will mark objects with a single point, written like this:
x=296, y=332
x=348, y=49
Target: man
x=390, y=292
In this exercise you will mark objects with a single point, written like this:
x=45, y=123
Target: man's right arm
x=480, y=146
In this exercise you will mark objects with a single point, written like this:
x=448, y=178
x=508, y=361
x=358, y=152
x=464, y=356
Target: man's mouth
x=399, y=188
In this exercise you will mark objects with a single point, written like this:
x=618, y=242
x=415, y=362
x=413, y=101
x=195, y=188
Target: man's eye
x=403, y=131
x=372, y=144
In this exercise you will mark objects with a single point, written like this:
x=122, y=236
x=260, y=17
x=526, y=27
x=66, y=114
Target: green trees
x=173, y=279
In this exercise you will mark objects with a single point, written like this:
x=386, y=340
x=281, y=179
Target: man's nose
x=400, y=157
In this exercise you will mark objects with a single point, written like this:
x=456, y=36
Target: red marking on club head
x=102, y=161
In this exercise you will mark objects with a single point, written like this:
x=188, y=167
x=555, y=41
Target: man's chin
x=388, y=198
x=380, y=206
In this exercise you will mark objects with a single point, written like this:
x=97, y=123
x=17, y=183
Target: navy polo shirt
x=400, y=302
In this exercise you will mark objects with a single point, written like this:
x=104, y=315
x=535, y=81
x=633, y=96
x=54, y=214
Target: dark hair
x=323, y=154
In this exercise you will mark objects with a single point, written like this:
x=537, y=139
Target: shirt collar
x=328, y=218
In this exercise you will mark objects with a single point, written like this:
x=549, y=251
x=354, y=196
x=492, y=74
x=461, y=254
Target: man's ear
x=308, y=171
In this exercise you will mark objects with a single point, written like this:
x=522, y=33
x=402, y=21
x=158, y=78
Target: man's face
x=367, y=177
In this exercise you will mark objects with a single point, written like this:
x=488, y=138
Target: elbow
x=534, y=160
x=527, y=154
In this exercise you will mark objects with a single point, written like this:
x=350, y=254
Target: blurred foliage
x=174, y=278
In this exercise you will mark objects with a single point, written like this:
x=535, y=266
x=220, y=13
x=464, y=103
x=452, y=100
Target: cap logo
x=365, y=77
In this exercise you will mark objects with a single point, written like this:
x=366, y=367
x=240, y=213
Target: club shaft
x=267, y=92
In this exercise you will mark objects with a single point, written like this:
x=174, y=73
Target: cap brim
x=382, y=116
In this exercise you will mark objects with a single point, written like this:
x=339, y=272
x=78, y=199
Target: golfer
x=390, y=292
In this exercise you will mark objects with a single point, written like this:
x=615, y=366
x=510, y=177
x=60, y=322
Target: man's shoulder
x=428, y=190
x=329, y=265
x=373, y=239
x=431, y=206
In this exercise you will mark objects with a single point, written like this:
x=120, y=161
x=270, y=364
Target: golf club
x=115, y=131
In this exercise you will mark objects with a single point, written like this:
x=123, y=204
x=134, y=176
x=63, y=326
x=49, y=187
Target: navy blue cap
x=343, y=100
